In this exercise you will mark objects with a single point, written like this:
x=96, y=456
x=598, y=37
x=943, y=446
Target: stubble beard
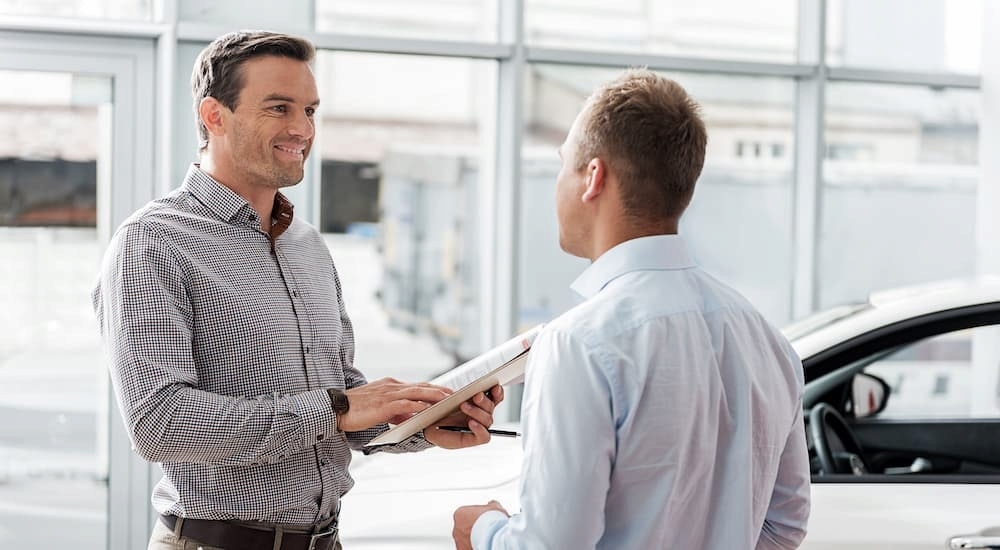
x=282, y=178
x=265, y=168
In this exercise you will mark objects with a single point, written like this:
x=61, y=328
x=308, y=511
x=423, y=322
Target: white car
x=903, y=424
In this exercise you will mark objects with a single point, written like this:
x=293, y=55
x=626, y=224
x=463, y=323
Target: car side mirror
x=869, y=395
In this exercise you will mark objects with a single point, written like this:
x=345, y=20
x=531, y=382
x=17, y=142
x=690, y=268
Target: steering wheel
x=824, y=419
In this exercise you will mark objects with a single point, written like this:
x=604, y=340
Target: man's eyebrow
x=286, y=99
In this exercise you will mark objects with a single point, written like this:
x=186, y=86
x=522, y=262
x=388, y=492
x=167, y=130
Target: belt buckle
x=330, y=531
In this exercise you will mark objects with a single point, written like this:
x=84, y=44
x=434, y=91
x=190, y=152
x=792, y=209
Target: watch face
x=341, y=404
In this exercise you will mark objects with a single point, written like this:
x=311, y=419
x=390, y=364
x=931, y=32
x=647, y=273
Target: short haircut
x=650, y=134
x=217, y=71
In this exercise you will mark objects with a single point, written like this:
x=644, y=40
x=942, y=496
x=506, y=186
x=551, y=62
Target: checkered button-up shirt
x=223, y=340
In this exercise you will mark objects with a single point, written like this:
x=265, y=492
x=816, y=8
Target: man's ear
x=210, y=111
x=596, y=173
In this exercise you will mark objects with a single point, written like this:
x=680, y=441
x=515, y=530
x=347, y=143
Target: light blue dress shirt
x=662, y=412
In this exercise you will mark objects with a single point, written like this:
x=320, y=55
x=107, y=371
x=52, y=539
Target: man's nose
x=302, y=126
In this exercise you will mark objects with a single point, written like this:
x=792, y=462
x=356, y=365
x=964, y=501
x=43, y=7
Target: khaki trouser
x=164, y=539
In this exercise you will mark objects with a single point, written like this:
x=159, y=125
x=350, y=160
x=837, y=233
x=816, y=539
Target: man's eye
x=310, y=112
x=279, y=109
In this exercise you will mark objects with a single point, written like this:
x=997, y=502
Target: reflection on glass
x=140, y=10
x=401, y=172
x=761, y=31
x=934, y=35
x=48, y=154
x=951, y=375
x=899, y=188
x=739, y=223
x=53, y=394
x=469, y=20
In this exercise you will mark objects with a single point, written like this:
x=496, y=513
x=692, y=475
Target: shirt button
x=324, y=462
x=319, y=437
x=308, y=349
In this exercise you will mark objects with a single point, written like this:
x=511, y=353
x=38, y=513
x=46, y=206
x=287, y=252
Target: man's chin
x=288, y=178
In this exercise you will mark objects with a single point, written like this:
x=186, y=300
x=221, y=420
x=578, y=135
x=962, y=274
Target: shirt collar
x=228, y=205
x=659, y=252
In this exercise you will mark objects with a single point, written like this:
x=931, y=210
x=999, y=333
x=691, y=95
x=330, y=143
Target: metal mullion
x=500, y=221
x=985, y=353
x=883, y=76
x=808, y=167
x=82, y=27
x=130, y=64
x=166, y=73
x=988, y=192
x=200, y=32
x=665, y=62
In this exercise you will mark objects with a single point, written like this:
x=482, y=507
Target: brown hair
x=650, y=133
x=217, y=70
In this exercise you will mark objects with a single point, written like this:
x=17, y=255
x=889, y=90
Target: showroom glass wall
x=843, y=155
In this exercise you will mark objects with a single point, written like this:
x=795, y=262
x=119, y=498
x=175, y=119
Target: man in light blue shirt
x=664, y=411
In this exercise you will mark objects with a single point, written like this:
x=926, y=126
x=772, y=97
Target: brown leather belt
x=224, y=534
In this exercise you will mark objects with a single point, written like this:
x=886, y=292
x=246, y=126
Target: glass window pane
x=53, y=377
x=732, y=29
x=469, y=20
x=402, y=147
x=739, y=222
x=141, y=10
x=899, y=188
x=48, y=166
x=934, y=35
x=950, y=375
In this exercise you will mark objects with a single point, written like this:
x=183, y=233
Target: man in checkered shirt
x=232, y=355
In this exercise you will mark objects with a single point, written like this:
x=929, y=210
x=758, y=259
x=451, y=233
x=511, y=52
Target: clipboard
x=501, y=365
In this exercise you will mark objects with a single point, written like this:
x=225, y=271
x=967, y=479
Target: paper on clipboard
x=501, y=365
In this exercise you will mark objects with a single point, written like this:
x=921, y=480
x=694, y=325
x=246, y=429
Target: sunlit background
x=844, y=157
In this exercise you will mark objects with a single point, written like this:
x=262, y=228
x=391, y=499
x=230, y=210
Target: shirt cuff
x=318, y=419
x=414, y=443
x=485, y=527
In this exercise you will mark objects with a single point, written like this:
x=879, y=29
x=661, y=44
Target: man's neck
x=608, y=236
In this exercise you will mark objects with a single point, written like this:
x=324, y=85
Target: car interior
x=848, y=438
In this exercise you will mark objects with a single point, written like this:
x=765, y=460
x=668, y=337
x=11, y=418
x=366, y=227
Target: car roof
x=830, y=327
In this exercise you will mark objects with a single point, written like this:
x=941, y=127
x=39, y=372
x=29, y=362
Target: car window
x=950, y=375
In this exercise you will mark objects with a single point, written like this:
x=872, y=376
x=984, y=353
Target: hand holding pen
x=466, y=430
x=469, y=425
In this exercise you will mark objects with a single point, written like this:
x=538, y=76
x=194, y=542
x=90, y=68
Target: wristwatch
x=341, y=403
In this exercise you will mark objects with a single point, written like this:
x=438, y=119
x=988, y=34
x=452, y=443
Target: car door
x=934, y=450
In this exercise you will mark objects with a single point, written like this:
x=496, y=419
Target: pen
x=463, y=429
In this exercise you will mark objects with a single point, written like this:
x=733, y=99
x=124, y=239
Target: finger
x=449, y=440
x=431, y=394
x=483, y=402
x=404, y=408
x=479, y=415
x=479, y=432
x=445, y=389
x=496, y=394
